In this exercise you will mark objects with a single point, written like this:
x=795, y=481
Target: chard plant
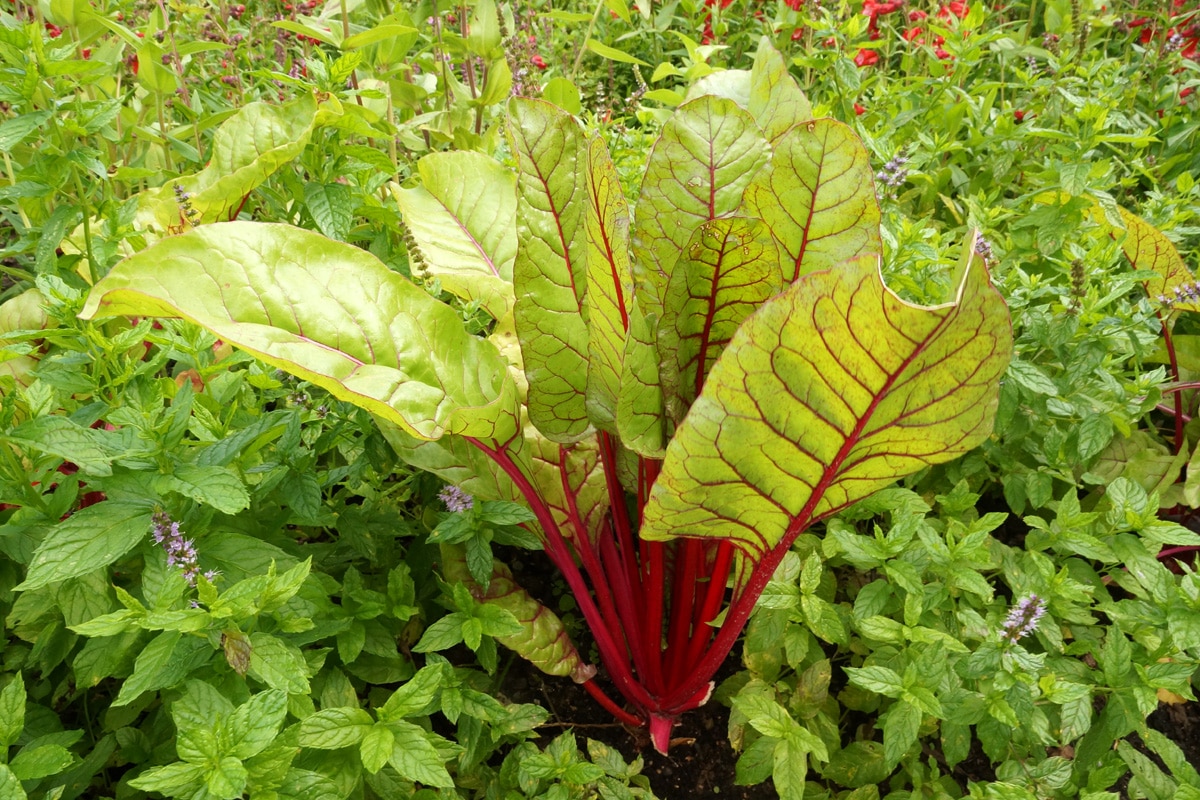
x=675, y=391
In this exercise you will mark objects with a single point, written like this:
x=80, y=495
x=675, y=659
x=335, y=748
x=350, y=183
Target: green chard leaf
x=463, y=220
x=550, y=273
x=818, y=198
x=287, y=296
x=730, y=268
x=833, y=389
x=1147, y=247
x=543, y=641
x=776, y=101
x=247, y=149
x=609, y=285
x=705, y=157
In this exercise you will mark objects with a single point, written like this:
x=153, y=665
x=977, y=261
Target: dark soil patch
x=701, y=761
x=1181, y=724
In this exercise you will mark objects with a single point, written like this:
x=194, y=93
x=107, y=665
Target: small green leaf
x=415, y=757
x=32, y=764
x=880, y=680
x=278, y=664
x=255, y=723
x=173, y=780
x=331, y=206
x=413, y=696
x=376, y=747
x=226, y=779
x=219, y=487
x=613, y=54
x=901, y=725
x=334, y=728
x=12, y=711
x=91, y=538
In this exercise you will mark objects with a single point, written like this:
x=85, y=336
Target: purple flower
x=1023, y=618
x=456, y=499
x=180, y=552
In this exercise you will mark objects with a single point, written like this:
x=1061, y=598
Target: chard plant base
x=675, y=393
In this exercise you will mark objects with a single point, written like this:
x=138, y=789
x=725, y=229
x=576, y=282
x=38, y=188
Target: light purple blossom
x=456, y=499
x=181, y=552
x=1023, y=618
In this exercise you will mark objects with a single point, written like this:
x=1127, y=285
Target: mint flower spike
x=1023, y=618
x=180, y=552
x=456, y=499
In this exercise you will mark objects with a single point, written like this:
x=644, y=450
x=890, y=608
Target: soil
x=700, y=763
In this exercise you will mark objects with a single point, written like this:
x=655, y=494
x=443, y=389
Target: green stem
x=586, y=36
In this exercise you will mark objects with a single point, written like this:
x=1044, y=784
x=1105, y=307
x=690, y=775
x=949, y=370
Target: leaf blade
x=759, y=473
x=281, y=293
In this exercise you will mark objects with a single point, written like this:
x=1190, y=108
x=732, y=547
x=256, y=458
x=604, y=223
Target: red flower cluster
x=956, y=8
x=866, y=58
x=875, y=10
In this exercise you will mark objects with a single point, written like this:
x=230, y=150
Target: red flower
x=797, y=34
x=724, y=3
x=1187, y=92
x=956, y=7
x=538, y=61
x=794, y=5
x=916, y=16
x=874, y=9
x=911, y=33
x=859, y=110
x=53, y=30
x=1138, y=22
x=706, y=35
x=941, y=54
x=866, y=58
x=1018, y=116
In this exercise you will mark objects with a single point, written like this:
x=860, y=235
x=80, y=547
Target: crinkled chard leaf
x=550, y=274
x=247, y=148
x=832, y=390
x=730, y=267
x=609, y=285
x=463, y=220
x=818, y=198
x=704, y=159
x=327, y=312
x=1147, y=247
x=776, y=101
x=543, y=641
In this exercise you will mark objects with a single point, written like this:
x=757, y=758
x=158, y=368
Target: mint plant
x=675, y=394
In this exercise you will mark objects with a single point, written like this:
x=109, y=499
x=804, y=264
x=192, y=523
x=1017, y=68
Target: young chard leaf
x=776, y=102
x=832, y=390
x=1147, y=247
x=463, y=220
x=729, y=269
x=701, y=164
x=818, y=198
x=550, y=273
x=328, y=312
x=609, y=285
